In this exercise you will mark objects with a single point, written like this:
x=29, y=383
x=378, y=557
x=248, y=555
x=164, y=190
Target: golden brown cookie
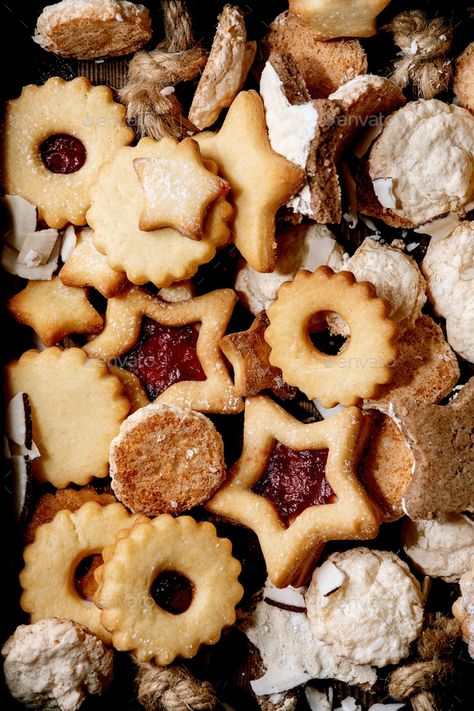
x=339, y=18
x=135, y=564
x=56, y=138
x=463, y=78
x=77, y=408
x=166, y=460
x=54, y=310
x=364, y=361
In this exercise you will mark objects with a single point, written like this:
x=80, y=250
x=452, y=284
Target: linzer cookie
x=56, y=138
x=166, y=460
x=440, y=438
x=295, y=486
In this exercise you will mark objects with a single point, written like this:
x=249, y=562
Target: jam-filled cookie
x=56, y=137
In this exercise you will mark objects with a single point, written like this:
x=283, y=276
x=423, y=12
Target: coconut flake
x=317, y=700
x=32, y=453
x=22, y=219
x=440, y=228
x=328, y=578
x=386, y=707
x=327, y=412
x=43, y=272
x=22, y=486
x=383, y=188
x=291, y=597
x=275, y=683
x=7, y=453
x=369, y=136
x=18, y=420
x=69, y=242
x=37, y=248
x=349, y=704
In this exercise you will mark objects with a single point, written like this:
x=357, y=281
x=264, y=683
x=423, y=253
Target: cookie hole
x=62, y=153
x=84, y=580
x=326, y=331
x=172, y=592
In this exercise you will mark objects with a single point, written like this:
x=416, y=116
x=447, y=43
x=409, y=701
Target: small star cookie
x=248, y=353
x=54, y=310
x=290, y=546
x=261, y=180
x=88, y=267
x=77, y=408
x=441, y=439
x=178, y=190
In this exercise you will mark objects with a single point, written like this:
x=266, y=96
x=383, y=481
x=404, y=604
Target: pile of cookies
x=259, y=314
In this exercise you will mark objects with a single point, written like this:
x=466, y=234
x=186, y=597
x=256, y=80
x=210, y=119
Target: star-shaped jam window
x=173, y=348
x=178, y=190
x=262, y=181
x=441, y=439
x=295, y=485
x=248, y=353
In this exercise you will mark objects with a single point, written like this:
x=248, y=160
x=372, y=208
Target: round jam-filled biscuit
x=51, y=561
x=166, y=587
x=367, y=605
x=166, y=460
x=56, y=137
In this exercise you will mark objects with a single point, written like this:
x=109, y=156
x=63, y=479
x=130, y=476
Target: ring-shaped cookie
x=133, y=563
x=73, y=108
x=51, y=561
x=362, y=364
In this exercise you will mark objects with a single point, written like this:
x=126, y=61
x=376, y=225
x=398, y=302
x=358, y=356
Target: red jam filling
x=172, y=591
x=62, y=153
x=164, y=355
x=295, y=480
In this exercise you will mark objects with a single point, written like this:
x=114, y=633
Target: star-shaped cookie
x=214, y=392
x=88, y=267
x=249, y=353
x=177, y=190
x=291, y=549
x=261, y=180
x=54, y=310
x=441, y=439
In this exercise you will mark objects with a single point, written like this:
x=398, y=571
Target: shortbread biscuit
x=74, y=128
x=213, y=390
x=226, y=70
x=165, y=544
x=86, y=30
x=426, y=369
x=395, y=276
x=161, y=256
x=71, y=499
x=324, y=66
x=51, y=561
x=416, y=140
x=77, y=408
x=339, y=18
x=166, y=460
x=463, y=78
x=295, y=485
x=261, y=180
x=441, y=548
x=386, y=466
x=448, y=268
x=366, y=357
x=307, y=246
x=88, y=267
x=177, y=190
x=132, y=387
x=54, y=310
x=375, y=613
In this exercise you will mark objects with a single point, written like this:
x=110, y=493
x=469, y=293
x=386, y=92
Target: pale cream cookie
x=463, y=608
x=339, y=18
x=76, y=407
x=442, y=547
x=56, y=138
x=52, y=559
x=374, y=612
x=161, y=256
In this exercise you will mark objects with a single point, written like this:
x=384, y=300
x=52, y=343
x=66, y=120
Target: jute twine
x=172, y=689
x=424, y=44
x=152, y=106
x=418, y=681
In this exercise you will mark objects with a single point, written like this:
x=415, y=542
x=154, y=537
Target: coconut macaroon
x=422, y=165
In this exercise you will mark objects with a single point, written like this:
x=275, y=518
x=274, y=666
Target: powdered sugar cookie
x=374, y=611
x=440, y=548
x=56, y=137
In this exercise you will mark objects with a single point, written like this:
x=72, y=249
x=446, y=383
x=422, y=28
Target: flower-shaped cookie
x=295, y=486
